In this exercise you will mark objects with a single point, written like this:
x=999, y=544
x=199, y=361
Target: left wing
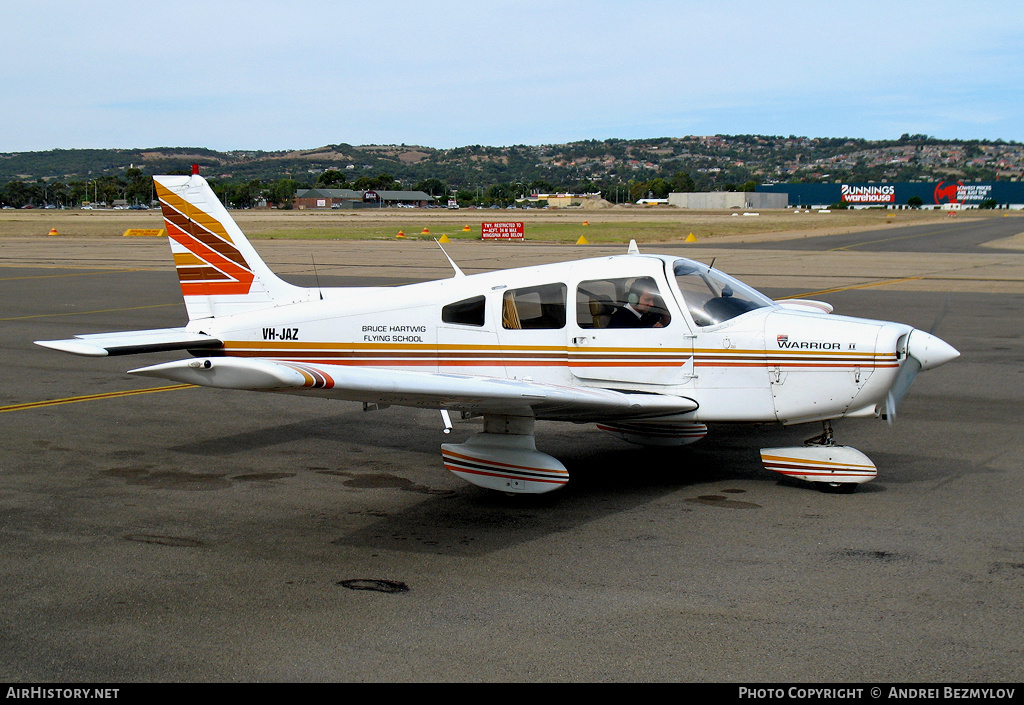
x=421, y=389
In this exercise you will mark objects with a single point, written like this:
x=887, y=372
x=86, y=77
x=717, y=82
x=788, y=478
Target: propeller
x=923, y=351
x=899, y=389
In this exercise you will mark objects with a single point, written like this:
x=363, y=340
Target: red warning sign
x=502, y=231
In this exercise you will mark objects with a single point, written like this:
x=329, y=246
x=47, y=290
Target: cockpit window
x=628, y=302
x=712, y=296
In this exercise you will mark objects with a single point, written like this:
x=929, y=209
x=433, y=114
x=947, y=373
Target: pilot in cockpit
x=644, y=309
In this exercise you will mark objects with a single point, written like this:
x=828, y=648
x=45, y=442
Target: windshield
x=712, y=296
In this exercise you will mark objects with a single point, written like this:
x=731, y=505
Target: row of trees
x=135, y=188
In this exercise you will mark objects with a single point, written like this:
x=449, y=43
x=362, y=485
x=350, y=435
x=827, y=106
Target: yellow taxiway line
x=92, y=397
x=867, y=285
x=82, y=313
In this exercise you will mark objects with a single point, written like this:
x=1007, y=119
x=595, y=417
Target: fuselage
x=738, y=354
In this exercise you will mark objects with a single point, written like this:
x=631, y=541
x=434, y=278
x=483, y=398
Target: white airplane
x=650, y=347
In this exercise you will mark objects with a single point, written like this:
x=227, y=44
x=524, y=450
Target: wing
x=132, y=342
x=430, y=390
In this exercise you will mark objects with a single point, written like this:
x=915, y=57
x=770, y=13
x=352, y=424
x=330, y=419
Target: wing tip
x=75, y=347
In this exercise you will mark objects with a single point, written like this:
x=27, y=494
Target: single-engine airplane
x=649, y=347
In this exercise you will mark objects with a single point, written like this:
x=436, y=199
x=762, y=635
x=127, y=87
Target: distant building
x=931, y=194
x=723, y=200
x=308, y=198
x=561, y=200
x=324, y=198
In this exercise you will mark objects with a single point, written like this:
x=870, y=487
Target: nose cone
x=929, y=350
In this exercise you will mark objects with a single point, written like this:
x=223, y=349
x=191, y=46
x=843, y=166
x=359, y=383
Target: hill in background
x=621, y=170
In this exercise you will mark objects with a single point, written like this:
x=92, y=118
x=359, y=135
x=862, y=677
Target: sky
x=258, y=75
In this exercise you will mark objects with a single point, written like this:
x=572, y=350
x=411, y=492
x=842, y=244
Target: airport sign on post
x=502, y=231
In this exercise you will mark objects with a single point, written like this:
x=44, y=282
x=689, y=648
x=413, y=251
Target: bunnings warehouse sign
x=897, y=194
x=852, y=193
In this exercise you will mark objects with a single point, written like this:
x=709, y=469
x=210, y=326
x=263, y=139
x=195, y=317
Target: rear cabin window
x=534, y=307
x=468, y=312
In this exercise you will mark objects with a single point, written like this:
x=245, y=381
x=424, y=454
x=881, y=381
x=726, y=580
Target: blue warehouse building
x=933, y=194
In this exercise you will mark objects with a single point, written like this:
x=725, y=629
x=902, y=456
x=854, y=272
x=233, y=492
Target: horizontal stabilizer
x=132, y=342
x=420, y=389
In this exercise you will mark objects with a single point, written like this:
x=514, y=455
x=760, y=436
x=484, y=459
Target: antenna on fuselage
x=317, y=275
x=632, y=249
x=458, y=272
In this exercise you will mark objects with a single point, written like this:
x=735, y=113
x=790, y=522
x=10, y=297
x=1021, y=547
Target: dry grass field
x=610, y=225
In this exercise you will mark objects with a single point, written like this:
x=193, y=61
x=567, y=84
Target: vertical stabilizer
x=219, y=271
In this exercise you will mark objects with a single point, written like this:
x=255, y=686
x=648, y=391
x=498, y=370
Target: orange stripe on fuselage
x=449, y=355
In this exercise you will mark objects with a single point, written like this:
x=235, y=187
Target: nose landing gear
x=832, y=468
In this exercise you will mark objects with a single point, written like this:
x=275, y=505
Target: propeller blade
x=942, y=314
x=906, y=377
x=890, y=409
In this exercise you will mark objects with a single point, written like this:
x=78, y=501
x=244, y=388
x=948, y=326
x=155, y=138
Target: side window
x=627, y=302
x=468, y=312
x=534, y=307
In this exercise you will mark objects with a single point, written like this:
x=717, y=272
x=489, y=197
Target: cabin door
x=627, y=330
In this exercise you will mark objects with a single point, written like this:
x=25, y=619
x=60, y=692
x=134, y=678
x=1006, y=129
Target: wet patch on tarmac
x=884, y=556
x=1007, y=570
x=179, y=541
x=717, y=500
x=380, y=480
x=262, y=476
x=124, y=454
x=169, y=479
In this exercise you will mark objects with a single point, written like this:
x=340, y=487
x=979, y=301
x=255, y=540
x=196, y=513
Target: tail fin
x=219, y=271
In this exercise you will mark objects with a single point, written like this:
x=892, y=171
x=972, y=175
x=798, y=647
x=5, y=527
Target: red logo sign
x=502, y=231
x=947, y=191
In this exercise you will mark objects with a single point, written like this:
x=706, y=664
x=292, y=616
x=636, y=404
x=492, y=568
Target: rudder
x=219, y=270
